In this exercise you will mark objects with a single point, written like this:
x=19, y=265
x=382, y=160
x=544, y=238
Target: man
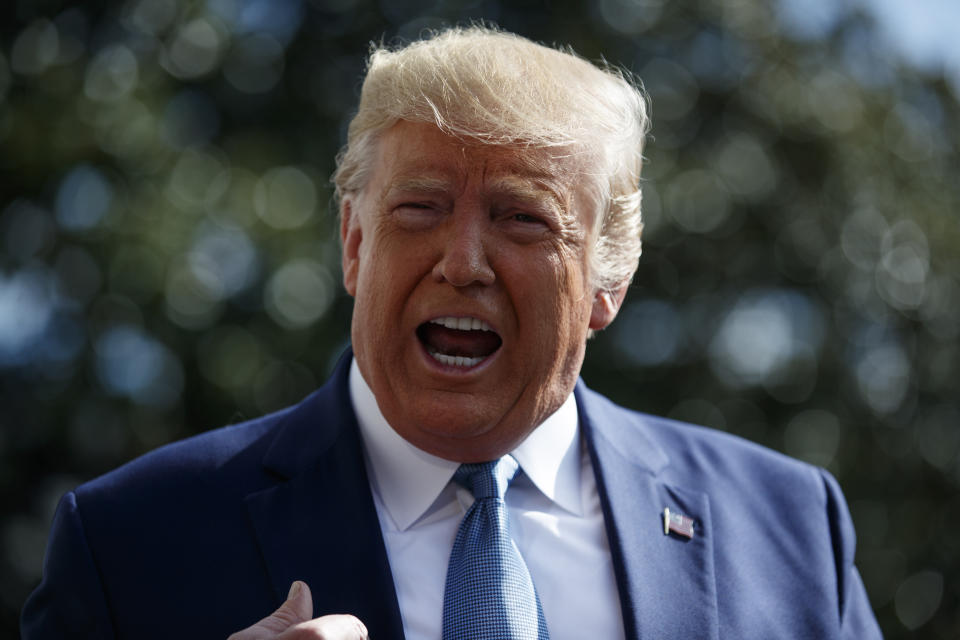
x=489, y=222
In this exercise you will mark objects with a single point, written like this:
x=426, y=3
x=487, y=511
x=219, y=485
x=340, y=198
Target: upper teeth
x=463, y=324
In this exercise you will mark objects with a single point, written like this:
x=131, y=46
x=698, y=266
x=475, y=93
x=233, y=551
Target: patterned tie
x=489, y=593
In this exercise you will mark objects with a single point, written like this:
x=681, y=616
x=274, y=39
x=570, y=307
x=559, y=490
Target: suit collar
x=666, y=583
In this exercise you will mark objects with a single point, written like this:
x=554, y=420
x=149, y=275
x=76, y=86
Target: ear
x=606, y=304
x=351, y=235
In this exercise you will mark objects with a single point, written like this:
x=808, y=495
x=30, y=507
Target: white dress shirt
x=555, y=519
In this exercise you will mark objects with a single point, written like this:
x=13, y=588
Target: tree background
x=169, y=260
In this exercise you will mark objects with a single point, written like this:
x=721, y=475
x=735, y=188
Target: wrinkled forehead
x=421, y=155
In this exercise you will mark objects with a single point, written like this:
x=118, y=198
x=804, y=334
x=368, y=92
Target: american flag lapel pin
x=678, y=523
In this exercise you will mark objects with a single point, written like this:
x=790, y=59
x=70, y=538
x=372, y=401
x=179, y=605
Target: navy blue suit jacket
x=203, y=537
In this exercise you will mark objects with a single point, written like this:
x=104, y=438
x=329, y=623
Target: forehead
x=423, y=155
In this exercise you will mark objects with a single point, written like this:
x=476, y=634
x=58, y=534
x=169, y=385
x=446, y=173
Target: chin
x=461, y=438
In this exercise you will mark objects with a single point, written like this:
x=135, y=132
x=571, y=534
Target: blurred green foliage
x=169, y=260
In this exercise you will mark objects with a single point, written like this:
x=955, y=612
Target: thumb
x=300, y=601
x=297, y=608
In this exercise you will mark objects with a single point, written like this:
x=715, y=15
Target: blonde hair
x=498, y=88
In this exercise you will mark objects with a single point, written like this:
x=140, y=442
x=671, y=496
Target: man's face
x=469, y=266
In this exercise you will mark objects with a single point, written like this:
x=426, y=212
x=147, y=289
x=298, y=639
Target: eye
x=526, y=218
x=416, y=215
x=525, y=227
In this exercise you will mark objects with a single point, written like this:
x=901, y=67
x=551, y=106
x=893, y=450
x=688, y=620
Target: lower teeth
x=455, y=361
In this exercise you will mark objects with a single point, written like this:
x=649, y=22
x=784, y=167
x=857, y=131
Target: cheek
x=570, y=276
x=558, y=305
x=377, y=272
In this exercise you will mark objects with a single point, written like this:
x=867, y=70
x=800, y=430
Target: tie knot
x=487, y=479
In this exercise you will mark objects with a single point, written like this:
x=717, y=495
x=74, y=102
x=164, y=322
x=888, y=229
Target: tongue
x=454, y=342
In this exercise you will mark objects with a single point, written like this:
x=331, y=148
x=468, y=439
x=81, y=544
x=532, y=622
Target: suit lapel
x=666, y=582
x=318, y=523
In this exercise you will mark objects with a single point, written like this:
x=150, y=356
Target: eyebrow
x=537, y=189
x=419, y=184
x=527, y=189
x=524, y=184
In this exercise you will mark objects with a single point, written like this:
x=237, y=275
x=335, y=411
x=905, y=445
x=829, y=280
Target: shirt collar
x=409, y=480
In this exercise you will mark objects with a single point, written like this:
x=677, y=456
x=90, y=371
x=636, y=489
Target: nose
x=464, y=261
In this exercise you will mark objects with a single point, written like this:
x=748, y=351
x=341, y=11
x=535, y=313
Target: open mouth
x=458, y=342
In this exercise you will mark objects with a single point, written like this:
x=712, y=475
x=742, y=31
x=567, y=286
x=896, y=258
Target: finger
x=297, y=608
x=330, y=627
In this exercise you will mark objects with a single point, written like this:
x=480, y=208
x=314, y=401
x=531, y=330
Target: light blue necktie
x=489, y=593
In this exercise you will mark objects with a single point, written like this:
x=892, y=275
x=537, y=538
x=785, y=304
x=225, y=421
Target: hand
x=292, y=621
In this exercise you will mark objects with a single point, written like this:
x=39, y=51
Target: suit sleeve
x=70, y=601
x=857, y=621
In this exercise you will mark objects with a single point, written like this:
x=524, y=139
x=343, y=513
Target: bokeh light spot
x=299, y=293
x=73, y=29
x=112, y=74
x=650, y=332
x=194, y=296
x=746, y=168
x=918, y=598
x=229, y=253
x=834, y=101
x=127, y=129
x=132, y=363
x=883, y=375
x=151, y=16
x=862, y=236
x=236, y=205
x=83, y=199
x=195, y=50
x=905, y=263
x=278, y=19
x=909, y=133
x=193, y=182
x=36, y=48
x=285, y=198
x=763, y=335
x=27, y=300
x=696, y=201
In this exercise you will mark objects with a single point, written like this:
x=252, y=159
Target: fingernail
x=294, y=589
